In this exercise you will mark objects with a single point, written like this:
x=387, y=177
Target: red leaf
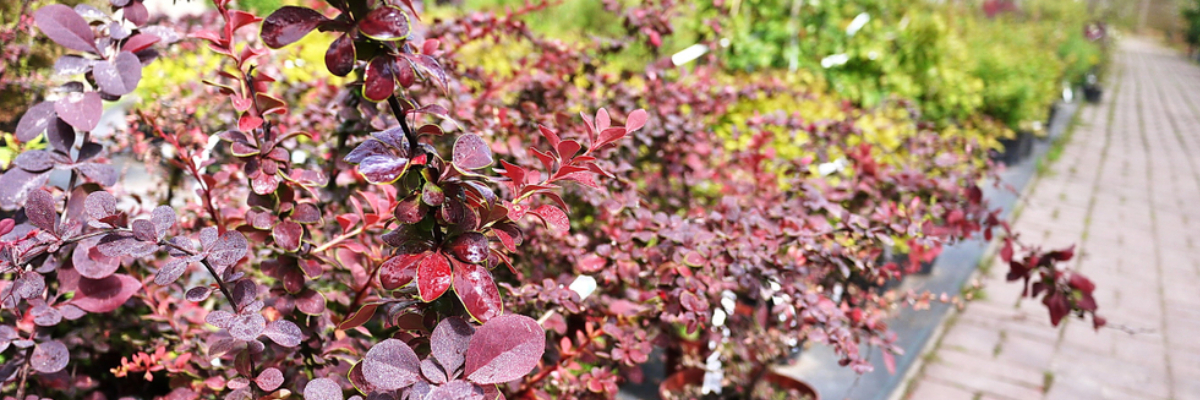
x=400, y=270
x=504, y=349
x=470, y=247
x=433, y=277
x=105, y=295
x=359, y=317
x=386, y=23
x=380, y=79
x=550, y=136
x=567, y=149
x=509, y=235
x=289, y=24
x=287, y=235
x=636, y=120
x=339, y=59
x=139, y=42
x=475, y=287
x=554, y=217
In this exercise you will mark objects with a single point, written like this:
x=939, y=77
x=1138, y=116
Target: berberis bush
x=425, y=228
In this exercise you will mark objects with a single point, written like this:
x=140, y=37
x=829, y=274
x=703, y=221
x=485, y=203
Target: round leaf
x=170, y=272
x=41, y=210
x=247, y=326
x=379, y=80
x=287, y=235
x=323, y=389
x=339, y=59
x=230, y=248
x=91, y=263
x=391, y=365
x=471, y=152
x=49, y=357
x=385, y=23
x=120, y=76
x=285, y=333
x=449, y=342
x=80, y=110
x=269, y=379
x=105, y=295
x=504, y=349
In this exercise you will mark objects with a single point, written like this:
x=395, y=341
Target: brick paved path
x=1127, y=191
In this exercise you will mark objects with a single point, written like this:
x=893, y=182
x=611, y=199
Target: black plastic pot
x=1093, y=93
x=1015, y=149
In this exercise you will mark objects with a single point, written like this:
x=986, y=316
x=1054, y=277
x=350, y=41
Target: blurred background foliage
x=898, y=62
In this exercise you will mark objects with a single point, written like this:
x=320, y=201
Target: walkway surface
x=1126, y=191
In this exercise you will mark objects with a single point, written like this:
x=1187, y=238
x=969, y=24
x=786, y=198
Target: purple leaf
x=122, y=244
x=410, y=210
x=65, y=27
x=230, y=248
x=29, y=285
x=71, y=65
x=448, y=343
x=475, y=287
x=391, y=365
x=433, y=277
x=386, y=23
x=120, y=76
x=289, y=24
x=60, y=135
x=100, y=204
x=471, y=152
x=49, y=357
x=16, y=184
x=35, y=121
x=163, y=218
x=170, y=272
x=287, y=235
x=244, y=292
x=323, y=389
x=91, y=263
x=285, y=333
x=80, y=110
x=339, y=59
x=143, y=230
x=306, y=213
x=433, y=372
x=310, y=302
x=379, y=80
x=220, y=319
x=504, y=349
x=269, y=379
x=44, y=315
x=70, y=312
x=456, y=390
x=105, y=295
x=89, y=151
x=136, y=13
x=198, y=293
x=429, y=67
x=382, y=170
x=41, y=210
x=103, y=174
x=208, y=237
x=247, y=327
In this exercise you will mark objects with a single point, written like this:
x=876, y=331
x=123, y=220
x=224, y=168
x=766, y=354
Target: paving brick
x=933, y=390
